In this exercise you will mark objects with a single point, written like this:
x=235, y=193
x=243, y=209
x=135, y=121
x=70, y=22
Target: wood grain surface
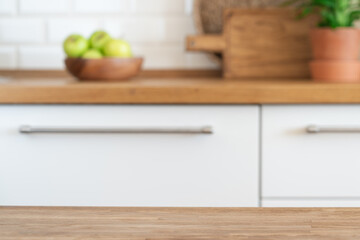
x=212, y=43
x=105, y=69
x=260, y=43
x=154, y=73
x=169, y=87
x=266, y=43
x=208, y=15
x=30, y=223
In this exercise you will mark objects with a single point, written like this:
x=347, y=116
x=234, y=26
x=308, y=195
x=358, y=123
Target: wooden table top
x=30, y=223
x=173, y=88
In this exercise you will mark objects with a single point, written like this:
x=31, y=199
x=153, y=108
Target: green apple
x=99, y=39
x=117, y=48
x=75, y=45
x=92, y=54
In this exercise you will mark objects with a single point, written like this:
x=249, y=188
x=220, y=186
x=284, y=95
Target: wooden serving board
x=260, y=43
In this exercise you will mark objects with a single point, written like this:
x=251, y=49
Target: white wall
x=31, y=31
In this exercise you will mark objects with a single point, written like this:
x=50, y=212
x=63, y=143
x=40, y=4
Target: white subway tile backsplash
x=137, y=29
x=161, y=56
x=189, y=6
x=60, y=28
x=116, y=27
x=151, y=30
x=21, y=30
x=44, y=6
x=160, y=6
x=155, y=28
x=41, y=57
x=177, y=28
x=7, y=6
x=7, y=57
x=102, y=6
x=200, y=61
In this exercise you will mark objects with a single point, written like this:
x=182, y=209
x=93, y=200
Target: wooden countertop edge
x=58, y=223
x=177, y=95
x=156, y=73
x=191, y=88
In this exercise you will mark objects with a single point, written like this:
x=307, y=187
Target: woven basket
x=208, y=15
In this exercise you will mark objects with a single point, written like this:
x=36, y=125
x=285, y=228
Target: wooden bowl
x=105, y=69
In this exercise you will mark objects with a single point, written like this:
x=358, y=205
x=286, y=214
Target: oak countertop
x=170, y=88
x=29, y=223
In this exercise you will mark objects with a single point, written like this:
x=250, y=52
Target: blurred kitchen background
x=32, y=31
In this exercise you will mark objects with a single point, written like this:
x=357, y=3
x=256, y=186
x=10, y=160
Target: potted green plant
x=336, y=41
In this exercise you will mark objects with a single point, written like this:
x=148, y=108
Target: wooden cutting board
x=260, y=43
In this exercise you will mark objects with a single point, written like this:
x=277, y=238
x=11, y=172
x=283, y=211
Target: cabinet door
x=127, y=169
x=323, y=164
x=306, y=203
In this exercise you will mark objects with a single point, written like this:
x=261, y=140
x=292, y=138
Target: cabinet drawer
x=125, y=169
x=328, y=203
x=301, y=164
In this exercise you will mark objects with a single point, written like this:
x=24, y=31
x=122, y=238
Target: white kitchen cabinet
x=114, y=169
x=299, y=164
x=311, y=203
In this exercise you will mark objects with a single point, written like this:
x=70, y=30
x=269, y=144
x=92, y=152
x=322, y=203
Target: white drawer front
x=330, y=203
x=300, y=164
x=130, y=169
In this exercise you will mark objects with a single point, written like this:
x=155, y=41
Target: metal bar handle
x=27, y=129
x=332, y=129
